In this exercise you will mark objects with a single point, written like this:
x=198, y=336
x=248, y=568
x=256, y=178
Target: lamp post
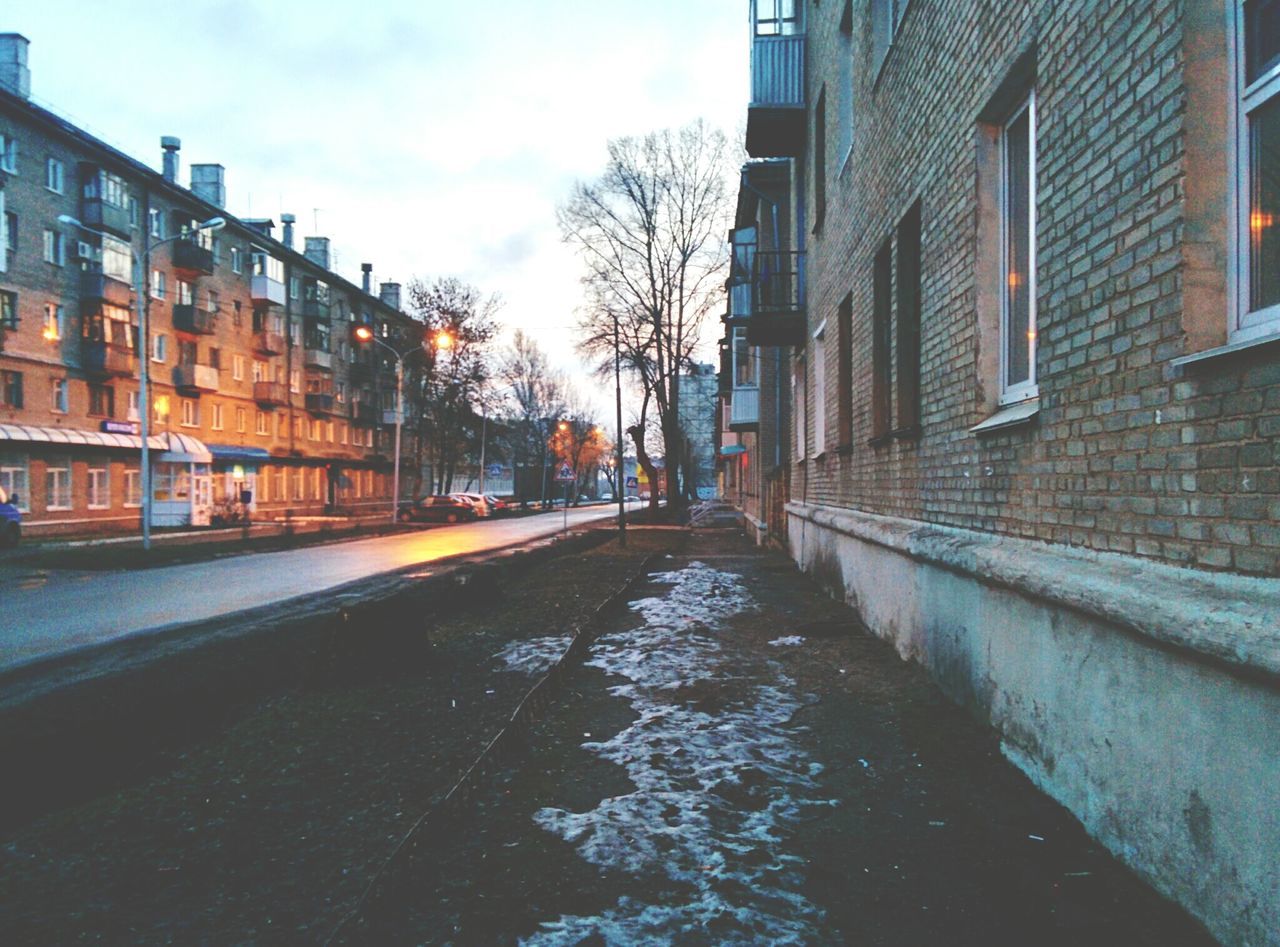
x=142, y=291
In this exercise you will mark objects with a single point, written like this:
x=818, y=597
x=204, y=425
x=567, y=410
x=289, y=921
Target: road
x=49, y=613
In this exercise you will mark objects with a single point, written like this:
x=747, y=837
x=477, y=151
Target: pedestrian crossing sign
x=565, y=472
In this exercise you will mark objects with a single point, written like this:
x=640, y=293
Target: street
x=49, y=612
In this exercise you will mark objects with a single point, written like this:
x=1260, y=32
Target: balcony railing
x=363, y=413
x=194, y=320
x=191, y=258
x=103, y=358
x=270, y=393
x=744, y=409
x=96, y=286
x=777, y=299
x=100, y=215
x=315, y=309
x=776, y=116
x=264, y=290
x=195, y=378
x=318, y=358
x=268, y=343
x=320, y=402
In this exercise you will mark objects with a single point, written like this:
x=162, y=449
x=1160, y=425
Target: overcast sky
x=426, y=137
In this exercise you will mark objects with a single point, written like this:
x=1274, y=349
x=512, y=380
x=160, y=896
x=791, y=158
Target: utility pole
x=621, y=475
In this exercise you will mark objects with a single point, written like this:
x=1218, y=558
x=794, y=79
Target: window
x=294, y=287
x=820, y=161
x=744, y=363
x=187, y=352
x=313, y=430
x=8, y=237
x=8, y=310
x=8, y=153
x=190, y=413
x=261, y=371
x=215, y=300
x=215, y=357
x=102, y=401
x=117, y=259
x=58, y=395
x=215, y=417
x=777, y=18
x=53, y=324
x=844, y=371
x=54, y=175
x=886, y=17
x=159, y=347
x=185, y=293
x=237, y=367
x=1017, y=252
x=99, y=488
x=295, y=381
x=801, y=419
x=155, y=223
x=235, y=259
x=10, y=389
x=160, y=410
x=909, y=321
x=132, y=487
x=844, y=100
x=13, y=480
x=55, y=248
x=57, y=484
x=1258, y=169
x=260, y=424
x=881, y=318
x=297, y=484
x=133, y=406
x=237, y=318
x=157, y=284
x=240, y=420
x=819, y=389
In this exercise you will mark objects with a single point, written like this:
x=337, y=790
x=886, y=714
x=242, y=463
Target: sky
x=426, y=137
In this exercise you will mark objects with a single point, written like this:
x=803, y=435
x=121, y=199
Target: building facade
x=260, y=400
x=1036, y=390
x=698, y=405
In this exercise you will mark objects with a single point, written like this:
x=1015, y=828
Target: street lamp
x=142, y=291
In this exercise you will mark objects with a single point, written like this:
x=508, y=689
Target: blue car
x=10, y=520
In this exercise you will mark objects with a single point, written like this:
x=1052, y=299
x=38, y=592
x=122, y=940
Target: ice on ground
x=787, y=641
x=534, y=656
x=715, y=789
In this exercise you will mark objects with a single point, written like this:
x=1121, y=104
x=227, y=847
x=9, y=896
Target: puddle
x=718, y=776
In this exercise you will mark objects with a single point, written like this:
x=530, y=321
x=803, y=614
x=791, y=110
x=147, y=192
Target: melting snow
x=718, y=777
x=535, y=655
x=788, y=640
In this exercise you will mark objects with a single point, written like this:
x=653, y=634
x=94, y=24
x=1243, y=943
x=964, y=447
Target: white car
x=483, y=508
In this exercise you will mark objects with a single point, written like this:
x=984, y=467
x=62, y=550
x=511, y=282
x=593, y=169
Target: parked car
x=497, y=506
x=481, y=504
x=606, y=497
x=438, y=509
x=10, y=520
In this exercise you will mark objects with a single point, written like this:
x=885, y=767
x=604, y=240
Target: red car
x=438, y=509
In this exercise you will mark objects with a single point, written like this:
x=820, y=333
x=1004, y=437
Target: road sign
x=565, y=472
x=633, y=483
x=495, y=470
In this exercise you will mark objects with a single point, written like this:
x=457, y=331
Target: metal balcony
x=777, y=299
x=363, y=413
x=265, y=291
x=268, y=343
x=360, y=373
x=103, y=358
x=97, y=287
x=314, y=309
x=195, y=378
x=319, y=402
x=100, y=215
x=194, y=320
x=270, y=393
x=744, y=409
x=318, y=359
x=776, y=115
x=192, y=259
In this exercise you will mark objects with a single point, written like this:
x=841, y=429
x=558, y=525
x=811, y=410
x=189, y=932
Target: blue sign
x=565, y=473
x=494, y=470
x=633, y=482
x=119, y=427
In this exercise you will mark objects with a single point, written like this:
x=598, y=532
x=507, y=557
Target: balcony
x=268, y=343
x=97, y=287
x=389, y=417
x=270, y=393
x=777, y=299
x=315, y=309
x=103, y=358
x=195, y=378
x=194, y=320
x=360, y=373
x=320, y=402
x=318, y=359
x=192, y=259
x=744, y=409
x=362, y=413
x=265, y=291
x=101, y=215
x=776, y=115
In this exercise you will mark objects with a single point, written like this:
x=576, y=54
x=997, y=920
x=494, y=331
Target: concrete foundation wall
x=1145, y=698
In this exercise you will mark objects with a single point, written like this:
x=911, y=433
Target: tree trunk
x=646, y=464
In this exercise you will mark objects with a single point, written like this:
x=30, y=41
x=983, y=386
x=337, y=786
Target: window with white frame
x=190, y=412
x=155, y=223
x=186, y=293
x=13, y=480
x=99, y=488
x=159, y=347
x=236, y=265
x=819, y=361
x=8, y=235
x=799, y=420
x=261, y=425
x=1257, y=257
x=53, y=327
x=55, y=248
x=54, y=175
x=237, y=367
x=158, y=284
x=57, y=484
x=58, y=395
x=1018, y=255
x=132, y=487
x=240, y=420
x=117, y=259
x=215, y=416
x=744, y=361
x=160, y=410
x=261, y=371
x=8, y=153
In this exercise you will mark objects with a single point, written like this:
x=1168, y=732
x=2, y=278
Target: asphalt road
x=50, y=612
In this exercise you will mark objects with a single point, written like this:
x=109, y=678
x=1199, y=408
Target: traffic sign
x=633, y=482
x=495, y=470
x=565, y=472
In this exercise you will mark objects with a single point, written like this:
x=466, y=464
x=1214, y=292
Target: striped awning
x=177, y=446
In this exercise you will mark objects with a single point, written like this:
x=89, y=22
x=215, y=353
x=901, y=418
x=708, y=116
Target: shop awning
x=238, y=452
x=72, y=437
x=729, y=450
x=181, y=448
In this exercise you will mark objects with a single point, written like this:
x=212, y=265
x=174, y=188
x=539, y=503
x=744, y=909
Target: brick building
x=1037, y=389
x=255, y=384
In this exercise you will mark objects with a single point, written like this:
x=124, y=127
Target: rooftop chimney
x=170, y=146
x=317, y=251
x=207, y=184
x=15, y=77
x=264, y=225
x=288, y=220
x=389, y=293
x=366, y=277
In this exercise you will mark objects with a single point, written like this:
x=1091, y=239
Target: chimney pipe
x=288, y=220
x=207, y=184
x=389, y=293
x=366, y=277
x=317, y=251
x=14, y=74
x=170, y=144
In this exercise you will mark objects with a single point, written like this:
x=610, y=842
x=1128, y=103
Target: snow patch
x=535, y=655
x=787, y=641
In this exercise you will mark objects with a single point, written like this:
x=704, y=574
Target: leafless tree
x=650, y=232
x=538, y=396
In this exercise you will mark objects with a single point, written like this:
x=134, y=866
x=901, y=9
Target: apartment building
x=1036, y=389
x=257, y=392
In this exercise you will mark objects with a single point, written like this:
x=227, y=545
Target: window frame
x=52, y=467
x=55, y=175
x=1029, y=388
x=99, y=498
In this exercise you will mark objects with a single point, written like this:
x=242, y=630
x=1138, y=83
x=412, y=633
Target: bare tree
x=538, y=396
x=650, y=232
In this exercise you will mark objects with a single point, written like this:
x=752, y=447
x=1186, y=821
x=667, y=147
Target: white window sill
x=1230, y=348
x=1024, y=412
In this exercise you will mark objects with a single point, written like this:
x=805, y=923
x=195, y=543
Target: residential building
x=257, y=392
x=698, y=404
x=1037, y=390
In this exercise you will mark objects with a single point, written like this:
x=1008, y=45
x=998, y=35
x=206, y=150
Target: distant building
x=255, y=386
x=698, y=422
